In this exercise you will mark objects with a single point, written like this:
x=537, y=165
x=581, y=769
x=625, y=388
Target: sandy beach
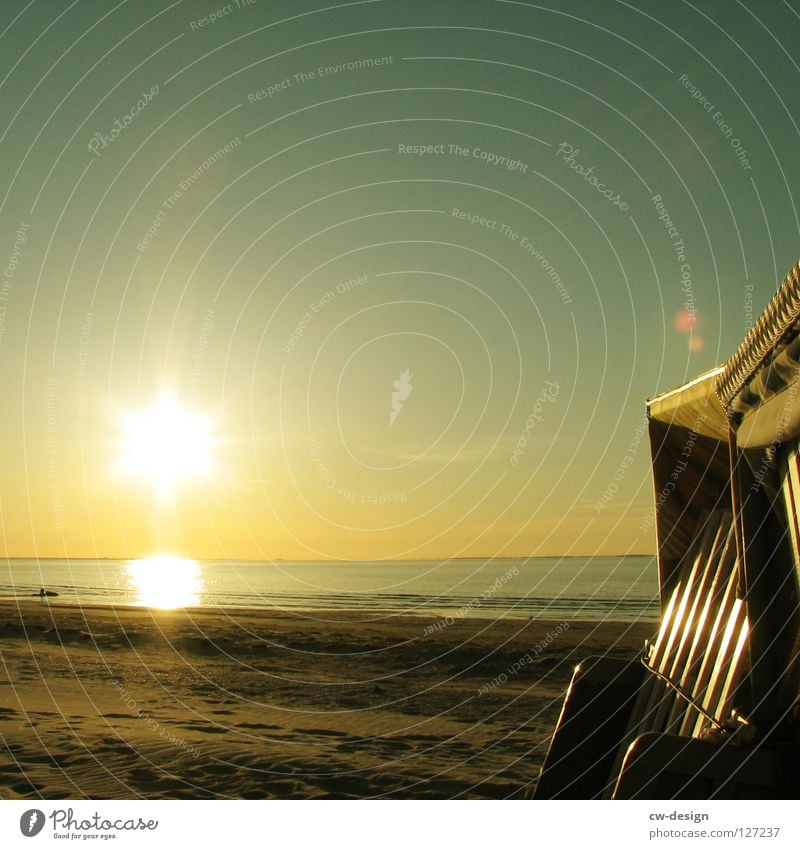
x=130, y=703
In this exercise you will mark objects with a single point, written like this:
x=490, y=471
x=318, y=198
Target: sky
x=380, y=280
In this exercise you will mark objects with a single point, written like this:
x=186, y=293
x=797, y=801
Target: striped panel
x=720, y=611
x=723, y=675
x=697, y=655
x=661, y=698
x=687, y=674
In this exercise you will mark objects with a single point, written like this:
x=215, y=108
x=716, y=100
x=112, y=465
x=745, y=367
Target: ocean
x=593, y=588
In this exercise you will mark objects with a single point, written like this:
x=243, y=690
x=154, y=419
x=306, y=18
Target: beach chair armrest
x=590, y=729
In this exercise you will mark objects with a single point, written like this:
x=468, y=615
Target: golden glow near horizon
x=423, y=325
x=166, y=444
x=165, y=581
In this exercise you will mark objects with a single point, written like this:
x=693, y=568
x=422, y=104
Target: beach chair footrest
x=590, y=729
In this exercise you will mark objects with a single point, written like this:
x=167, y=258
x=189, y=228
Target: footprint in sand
x=25, y=788
x=322, y=732
x=205, y=729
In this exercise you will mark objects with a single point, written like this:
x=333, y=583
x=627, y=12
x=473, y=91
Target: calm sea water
x=588, y=588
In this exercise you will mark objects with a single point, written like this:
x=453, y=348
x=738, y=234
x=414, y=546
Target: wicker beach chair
x=710, y=708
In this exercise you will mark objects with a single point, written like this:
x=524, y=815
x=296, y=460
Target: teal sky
x=516, y=267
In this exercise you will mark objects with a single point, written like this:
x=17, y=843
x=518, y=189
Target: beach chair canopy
x=748, y=405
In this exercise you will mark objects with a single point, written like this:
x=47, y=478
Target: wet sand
x=131, y=703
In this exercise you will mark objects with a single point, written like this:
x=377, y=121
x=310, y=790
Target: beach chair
x=710, y=709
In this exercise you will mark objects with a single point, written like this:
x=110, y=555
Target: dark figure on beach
x=42, y=593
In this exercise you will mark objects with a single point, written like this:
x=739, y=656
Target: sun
x=166, y=444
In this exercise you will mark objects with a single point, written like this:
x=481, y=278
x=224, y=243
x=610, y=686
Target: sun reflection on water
x=166, y=581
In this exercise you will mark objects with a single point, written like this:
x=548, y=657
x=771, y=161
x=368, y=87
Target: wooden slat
x=666, y=624
x=724, y=706
x=793, y=465
x=791, y=495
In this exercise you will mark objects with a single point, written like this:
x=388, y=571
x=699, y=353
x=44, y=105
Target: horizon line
x=345, y=559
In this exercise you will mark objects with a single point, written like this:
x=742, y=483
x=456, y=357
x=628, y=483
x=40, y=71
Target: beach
x=125, y=703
